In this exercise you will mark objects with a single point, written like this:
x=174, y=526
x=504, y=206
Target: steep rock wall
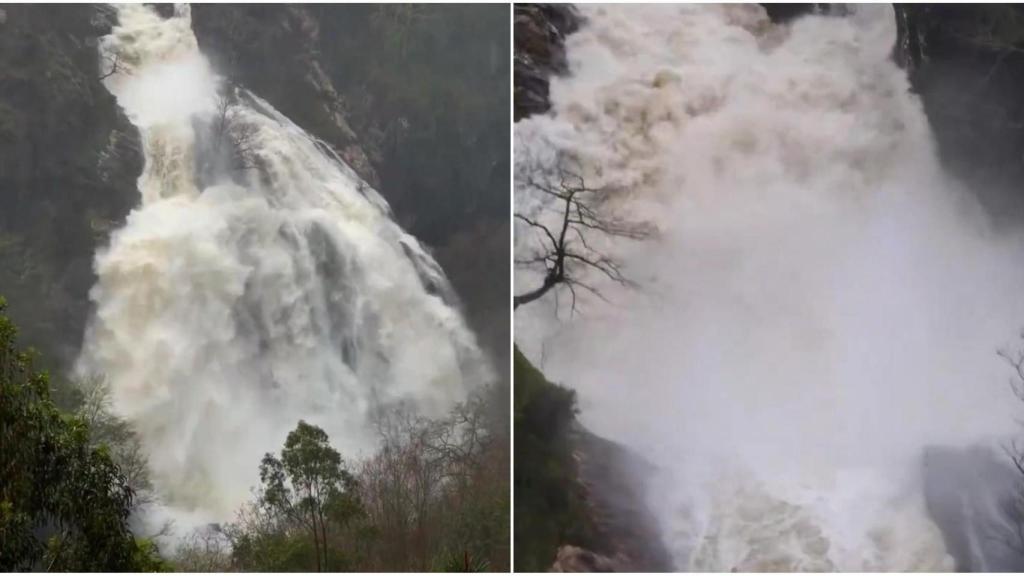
x=69, y=160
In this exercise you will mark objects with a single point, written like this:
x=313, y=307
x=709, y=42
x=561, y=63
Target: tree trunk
x=532, y=295
x=316, y=544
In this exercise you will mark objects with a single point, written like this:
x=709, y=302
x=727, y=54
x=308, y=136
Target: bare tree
x=204, y=550
x=118, y=435
x=424, y=476
x=1016, y=361
x=1011, y=534
x=564, y=251
x=113, y=66
x=232, y=140
x=432, y=496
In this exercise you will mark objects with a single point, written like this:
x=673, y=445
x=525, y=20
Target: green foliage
x=313, y=469
x=89, y=399
x=64, y=504
x=307, y=492
x=271, y=550
x=434, y=495
x=549, y=508
x=146, y=557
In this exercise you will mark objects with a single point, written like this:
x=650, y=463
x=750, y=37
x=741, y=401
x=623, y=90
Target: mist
x=822, y=304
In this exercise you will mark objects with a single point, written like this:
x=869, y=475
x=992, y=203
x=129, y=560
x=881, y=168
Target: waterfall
x=258, y=282
x=820, y=306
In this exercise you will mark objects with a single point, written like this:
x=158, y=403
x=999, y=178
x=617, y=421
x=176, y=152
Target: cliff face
x=272, y=50
x=581, y=500
x=967, y=63
x=415, y=98
x=69, y=160
x=540, y=31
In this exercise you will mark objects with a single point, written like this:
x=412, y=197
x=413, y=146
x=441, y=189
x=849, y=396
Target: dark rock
x=972, y=494
x=103, y=20
x=966, y=61
x=69, y=161
x=540, y=31
x=272, y=50
x=165, y=10
x=784, y=12
x=614, y=480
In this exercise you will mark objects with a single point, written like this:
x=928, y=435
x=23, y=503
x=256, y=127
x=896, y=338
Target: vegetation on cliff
x=549, y=506
x=64, y=502
x=68, y=164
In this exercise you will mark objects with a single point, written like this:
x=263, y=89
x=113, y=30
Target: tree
x=435, y=495
x=108, y=429
x=205, y=550
x=436, y=490
x=550, y=503
x=114, y=67
x=309, y=485
x=571, y=213
x=64, y=504
x=227, y=147
x=1011, y=534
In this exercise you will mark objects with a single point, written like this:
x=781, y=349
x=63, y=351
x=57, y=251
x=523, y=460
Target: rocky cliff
x=273, y=51
x=540, y=31
x=966, y=61
x=69, y=160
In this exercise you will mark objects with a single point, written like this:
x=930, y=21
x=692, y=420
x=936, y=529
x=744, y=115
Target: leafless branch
x=1013, y=536
x=564, y=251
x=233, y=141
x=114, y=68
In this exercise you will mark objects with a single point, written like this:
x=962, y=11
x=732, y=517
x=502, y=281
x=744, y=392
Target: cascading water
x=820, y=306
x=237, y=300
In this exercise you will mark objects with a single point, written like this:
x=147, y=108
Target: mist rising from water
x=236, y=301
x=821, y=304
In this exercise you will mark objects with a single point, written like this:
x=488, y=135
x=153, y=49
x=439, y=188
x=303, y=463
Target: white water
x=820, y=305
x=227, y=312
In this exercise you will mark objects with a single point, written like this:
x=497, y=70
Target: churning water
x=820, y=306
x=257, y=283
